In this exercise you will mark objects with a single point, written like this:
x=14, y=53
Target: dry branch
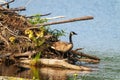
x=90, y=61
x=40, y=15
x=85, y=55
x=18, y=9
x=7, y=3
x=66, y=21
x=63, y=21
x=2, y=38
x=28, y=54
x=56, y=17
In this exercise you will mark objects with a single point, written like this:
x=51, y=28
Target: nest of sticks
x=14, y=25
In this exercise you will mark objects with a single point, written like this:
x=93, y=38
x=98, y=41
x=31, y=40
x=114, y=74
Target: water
x=100, y=37
x=107, y=69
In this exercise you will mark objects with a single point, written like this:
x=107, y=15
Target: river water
x=107, y=69
x=100, y=37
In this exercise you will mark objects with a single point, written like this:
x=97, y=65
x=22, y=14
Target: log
x=56, y=63
x=85, y=55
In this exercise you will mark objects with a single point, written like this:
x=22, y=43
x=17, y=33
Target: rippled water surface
x=107, y=69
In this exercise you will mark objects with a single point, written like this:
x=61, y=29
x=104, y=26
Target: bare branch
x=56, y=17
x=40, y=15
x=18, y=9
x=1, y=37
x=85, y=55
x=63, y=21
x=7, y=3
x=66, y=21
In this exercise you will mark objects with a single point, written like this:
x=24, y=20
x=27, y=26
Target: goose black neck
x=70, y=39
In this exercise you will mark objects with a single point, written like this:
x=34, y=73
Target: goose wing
x=61, y=46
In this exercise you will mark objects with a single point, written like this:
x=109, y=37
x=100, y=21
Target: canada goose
x=64, y=46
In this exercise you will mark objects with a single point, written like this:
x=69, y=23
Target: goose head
x=73, y=33
x=70, y=36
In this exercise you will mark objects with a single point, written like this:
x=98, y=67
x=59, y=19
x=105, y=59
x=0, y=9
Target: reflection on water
x=108, y=69
x=37, y=73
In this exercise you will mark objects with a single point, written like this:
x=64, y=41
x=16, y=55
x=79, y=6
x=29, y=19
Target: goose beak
x=75, y=33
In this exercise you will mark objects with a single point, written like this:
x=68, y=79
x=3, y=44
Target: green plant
x=37, y=57
x=37, y=36
x=56, y=33
x=37, y=19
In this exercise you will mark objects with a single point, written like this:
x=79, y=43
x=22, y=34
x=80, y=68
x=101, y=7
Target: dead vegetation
x=21, y=37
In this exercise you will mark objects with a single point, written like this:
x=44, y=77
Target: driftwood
x=56, y=63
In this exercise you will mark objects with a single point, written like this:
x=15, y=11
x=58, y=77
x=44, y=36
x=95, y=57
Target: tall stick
x=63, y=21
x=66, y=21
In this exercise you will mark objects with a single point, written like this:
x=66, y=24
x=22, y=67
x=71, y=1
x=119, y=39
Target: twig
x=85, y=55
x=89, y=60
x=5, y=55
x=12, y=33
x=5, y=40
x=40, y=15
x=7, y=3
x=55, y=17
x=28, y=54
x=18, y=9
x=79, y=49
